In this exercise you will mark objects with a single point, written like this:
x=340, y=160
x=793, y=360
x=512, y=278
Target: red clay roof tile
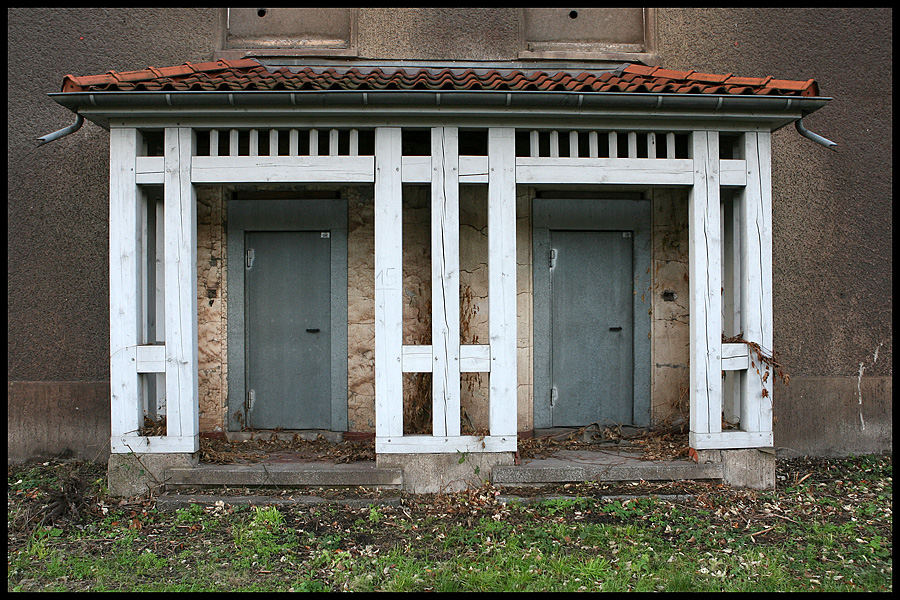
x=249, y=74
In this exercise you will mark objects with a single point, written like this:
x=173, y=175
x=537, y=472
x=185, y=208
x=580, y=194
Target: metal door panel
x=591, y=313
x=288, y=329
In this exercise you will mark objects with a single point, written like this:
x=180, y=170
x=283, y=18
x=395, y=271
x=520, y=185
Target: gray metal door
x=591, y=313
x=288, y=329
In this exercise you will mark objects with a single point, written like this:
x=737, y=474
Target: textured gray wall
x=833, y=234
x=832, y=210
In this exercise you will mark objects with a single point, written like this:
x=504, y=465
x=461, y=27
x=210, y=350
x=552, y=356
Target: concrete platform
x=568, y=466
x=565, y=466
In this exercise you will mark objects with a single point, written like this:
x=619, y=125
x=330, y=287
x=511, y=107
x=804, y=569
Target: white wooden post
x=731, y=301
x=445, y=280
x=502, y=279
x=125, y=321
x=388, y=283
x=756, y=293
x=180, y=228
x=705, y=282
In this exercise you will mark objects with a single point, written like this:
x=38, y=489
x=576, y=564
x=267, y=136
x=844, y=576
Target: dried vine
x=764, y=360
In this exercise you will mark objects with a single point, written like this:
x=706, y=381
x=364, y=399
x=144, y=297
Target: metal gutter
x=487, y=99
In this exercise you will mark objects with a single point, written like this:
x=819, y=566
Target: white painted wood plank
x=473, y=358
x=294, y=143
x=756, y=265
x=731, y=439
x=554, y=144
x=140, y=444
x=534, y=144
x=283, y=169
x=632, y=144
x=124, y=283
x=731, y=306
x=254, y=142
x=613, y=140
x=573, y=144
x=651, y=145
x=445, y=280
x=354, y=142
x=427, y=444
x=670, y=145
x=313, y=142
x=472, y=169
x=273, y=142
x=182, y=397
x=332, y=142
x=624, y=171
x=213, y=142
x=388, y=283
x=233, y=142
x=705, y=282
x=151, y=359
x=502, y=280
x=416, y=359
x=735, y=357
x=593, y=145
x=733, y=172
x=149, y=170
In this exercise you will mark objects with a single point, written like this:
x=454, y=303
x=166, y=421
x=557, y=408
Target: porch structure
x=704, y=143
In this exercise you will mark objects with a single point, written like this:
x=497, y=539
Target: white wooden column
x=502, y=280
x=125, y=322
x=180, y=229
x=705, y=275
x=445, y=281
x=388, y=284
x=756, y=291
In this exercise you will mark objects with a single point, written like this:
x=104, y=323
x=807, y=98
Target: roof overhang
x=410, y=107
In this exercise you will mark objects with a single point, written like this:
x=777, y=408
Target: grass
x=828, y=527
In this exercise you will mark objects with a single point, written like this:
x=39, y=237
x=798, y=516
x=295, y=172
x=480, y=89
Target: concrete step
x=285, y=474
x=567, y=467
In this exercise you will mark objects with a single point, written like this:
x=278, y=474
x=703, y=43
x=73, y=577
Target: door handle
x=316, y=330
x=615, y=329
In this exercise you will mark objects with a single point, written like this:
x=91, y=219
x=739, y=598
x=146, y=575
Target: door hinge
x=554, y=395
x=553, y=255
x=251, y=256
x=248, y=403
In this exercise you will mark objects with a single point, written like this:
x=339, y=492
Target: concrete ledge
x=443, y=472
x=560, y=472
x=136, y=474
x=172, y=502
x=752, y=468
x=285, y=475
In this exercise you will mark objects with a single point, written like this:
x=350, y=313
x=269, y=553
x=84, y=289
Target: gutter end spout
x=798, y=124
x=46, y=139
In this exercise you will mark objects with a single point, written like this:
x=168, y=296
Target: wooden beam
x=428, y=444
x=473, y=358
x=182, y=396
x=502, y=280
x=756, y=266
x=283, y=169
x=124, y=283
x=705, y=282
x=445, y=280
x=724, y=440
x=388, y=283
x=624, y=171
